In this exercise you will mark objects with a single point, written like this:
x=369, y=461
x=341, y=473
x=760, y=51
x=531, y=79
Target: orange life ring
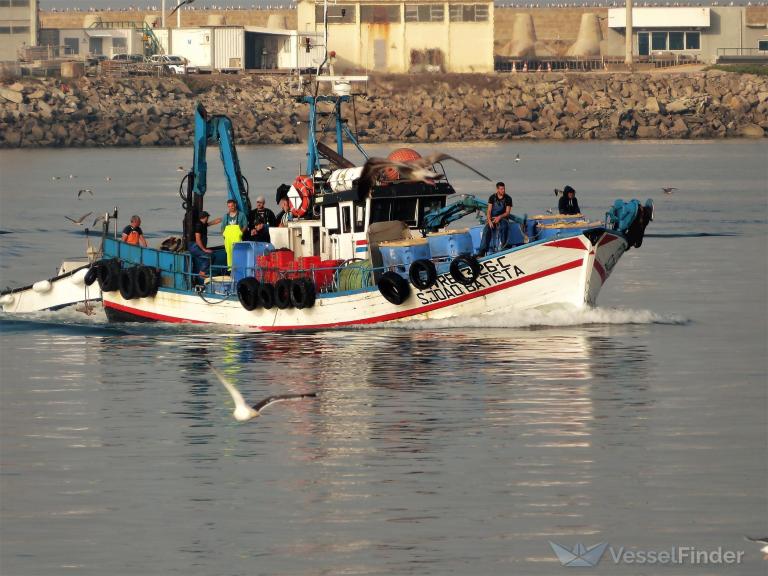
x=300, y=195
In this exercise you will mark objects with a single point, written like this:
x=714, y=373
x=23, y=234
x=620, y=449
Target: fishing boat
x=362, y=246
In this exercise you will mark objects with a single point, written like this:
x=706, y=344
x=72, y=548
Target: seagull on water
x=107, y=178
x=764, y=542
x=72, y=176
x=84, y=191
x=54, y=178
x=270, y=168
x=243, y=412
x=558, y=192
x=517, y=157
x=669, y=189
x=181, y=169
x=80, y=220
x=180, y=5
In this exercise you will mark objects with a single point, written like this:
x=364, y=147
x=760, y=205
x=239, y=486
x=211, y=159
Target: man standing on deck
x=261, y=219
x=568, y=204
x=499, y=207
x=233, y=226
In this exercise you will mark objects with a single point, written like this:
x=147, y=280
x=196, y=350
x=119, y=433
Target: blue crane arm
x=218, y=128
x=441, y=218
x=468, y=204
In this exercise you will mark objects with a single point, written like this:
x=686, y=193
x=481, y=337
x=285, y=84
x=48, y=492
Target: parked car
x=95, y=59
x=130, y=58
x=174, y=64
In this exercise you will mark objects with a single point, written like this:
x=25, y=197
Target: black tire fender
x=127, y=283
x=461, y=262
x=92, y=275
x=109, y=275
x=266, y=294
x=303, y=293
x=394, y=288
x=423, y=274
x=283, y=289
x=144, y=281
x=248, y=293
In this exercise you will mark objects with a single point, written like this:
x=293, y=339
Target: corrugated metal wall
x=228, y=48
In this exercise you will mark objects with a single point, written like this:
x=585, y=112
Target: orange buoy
x=399, y=155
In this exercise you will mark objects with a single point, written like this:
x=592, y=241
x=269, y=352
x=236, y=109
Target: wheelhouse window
x=405, y=209
x=380, y=209
x=379, y=14
x=331, y=219
x=424, y=13
x=337, y=13
x=468, y=12
x=346, y=219
x=359, y=217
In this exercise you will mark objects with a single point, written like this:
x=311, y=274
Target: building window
x=71, y=45
x=762, y=45
x=5, y=3
x=658, y=40
x=424, y=13
x=468, y=12
x=19, y=3
x=337, y=13
x=676, y=40
x=693, y=40
x=20, y=29
x=5, y=29
x=379, y=14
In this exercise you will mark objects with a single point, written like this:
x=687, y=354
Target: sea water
x=441, y=447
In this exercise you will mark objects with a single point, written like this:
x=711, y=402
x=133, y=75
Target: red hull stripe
x=568, y=243
x=600, y=270
x=607, y=239
x=375, y=319
x=361, y=242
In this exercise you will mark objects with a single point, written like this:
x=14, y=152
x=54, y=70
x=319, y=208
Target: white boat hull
x=569, y=271
x=66, y=289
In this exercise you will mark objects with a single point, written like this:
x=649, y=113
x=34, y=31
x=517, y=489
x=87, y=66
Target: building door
x=380, y=54
x=643, y=44
x=95, y=45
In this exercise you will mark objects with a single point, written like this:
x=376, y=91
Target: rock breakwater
x=159, y=111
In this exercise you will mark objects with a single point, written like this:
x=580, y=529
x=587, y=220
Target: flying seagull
x=181, y=169
x=98, y=219
x=243, y=412
x=419, y=169
x=79, y=221
x=180, y=5
x=558, y=192
x=764, y=542
x=84, y=191
x=669, y=189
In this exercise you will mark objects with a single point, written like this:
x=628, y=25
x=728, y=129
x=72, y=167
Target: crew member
x=260, y=220
x=568, y=203
x=133, y=234
x=233, y=226
x=497, y=225
x=201, y=261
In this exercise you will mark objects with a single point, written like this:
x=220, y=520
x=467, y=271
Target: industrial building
x=705, y=33
x=18, y=27
x=395, y=36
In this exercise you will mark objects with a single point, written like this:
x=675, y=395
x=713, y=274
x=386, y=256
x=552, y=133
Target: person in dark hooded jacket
x=568, y=203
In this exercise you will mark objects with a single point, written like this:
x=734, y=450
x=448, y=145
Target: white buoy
x=79, y=277
x=42, y=286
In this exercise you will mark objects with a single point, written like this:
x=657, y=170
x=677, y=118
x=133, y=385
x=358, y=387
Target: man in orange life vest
x=133, y=234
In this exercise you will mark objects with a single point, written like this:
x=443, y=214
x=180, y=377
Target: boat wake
x=552, y=317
